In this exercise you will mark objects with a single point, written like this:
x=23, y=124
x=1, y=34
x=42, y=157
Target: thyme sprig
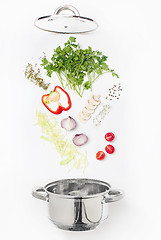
x=33, y=74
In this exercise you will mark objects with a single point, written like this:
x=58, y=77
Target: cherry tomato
x=109, y=136
x=109, y=149
x=100, y=155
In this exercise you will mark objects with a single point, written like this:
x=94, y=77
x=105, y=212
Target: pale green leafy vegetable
x=52, y=132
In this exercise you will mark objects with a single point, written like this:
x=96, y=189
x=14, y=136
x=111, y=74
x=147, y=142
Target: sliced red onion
x=80, y=139
x=68, y=123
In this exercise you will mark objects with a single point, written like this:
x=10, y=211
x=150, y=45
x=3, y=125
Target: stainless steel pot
x=77, y=204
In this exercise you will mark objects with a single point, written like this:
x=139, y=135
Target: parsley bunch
x=76, y=68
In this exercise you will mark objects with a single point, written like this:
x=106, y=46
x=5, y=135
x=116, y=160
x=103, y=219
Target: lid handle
x=67, y=7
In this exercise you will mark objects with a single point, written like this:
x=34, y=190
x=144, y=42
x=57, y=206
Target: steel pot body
x=77, y=204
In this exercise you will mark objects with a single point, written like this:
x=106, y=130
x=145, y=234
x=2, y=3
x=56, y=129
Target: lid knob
x=67, y=7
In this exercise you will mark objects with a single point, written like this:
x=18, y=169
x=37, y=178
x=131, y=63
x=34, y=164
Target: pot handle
x=113, y=196
x=67, y=7
x=39, y=193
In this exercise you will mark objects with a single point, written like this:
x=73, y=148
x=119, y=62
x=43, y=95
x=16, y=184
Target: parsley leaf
x=77, y=68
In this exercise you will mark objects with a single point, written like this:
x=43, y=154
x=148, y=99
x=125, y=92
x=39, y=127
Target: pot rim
x=77, y=197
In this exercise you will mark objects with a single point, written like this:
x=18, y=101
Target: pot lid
x=66, y=23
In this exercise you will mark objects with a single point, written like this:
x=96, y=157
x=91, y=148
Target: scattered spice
x=114, y=92
x=33, y=74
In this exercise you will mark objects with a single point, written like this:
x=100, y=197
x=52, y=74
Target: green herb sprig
x=77, y=68
x=33, y=74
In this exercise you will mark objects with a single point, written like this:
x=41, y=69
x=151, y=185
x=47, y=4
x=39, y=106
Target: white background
x=129, y=34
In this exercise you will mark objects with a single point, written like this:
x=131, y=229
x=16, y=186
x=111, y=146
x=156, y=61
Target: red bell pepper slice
x=54, y=97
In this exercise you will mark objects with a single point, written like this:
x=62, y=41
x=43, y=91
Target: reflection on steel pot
x=77, y=204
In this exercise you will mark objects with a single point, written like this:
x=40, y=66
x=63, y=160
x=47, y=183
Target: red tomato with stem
x=100, y=155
